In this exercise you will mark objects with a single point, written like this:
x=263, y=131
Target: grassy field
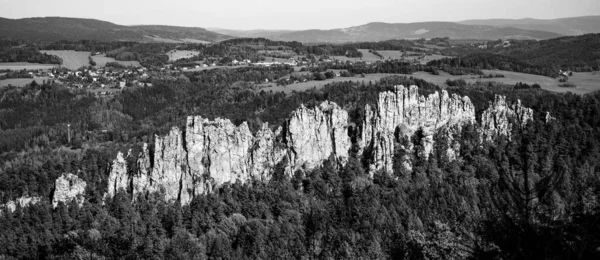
x=367, y=56
x=586, y=82
x=318, y=84
x=177, y=54
x=25, y=65
x=391, y=54
x=72, y=59
x=429, y=58
x=21, y=82
x=101, y=61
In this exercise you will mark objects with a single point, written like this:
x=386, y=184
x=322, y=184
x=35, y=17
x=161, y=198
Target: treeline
x=88, y=45
x=22, y=74
x=575, y=53
x=148, y=54
x=488, y=61
x=27, y=53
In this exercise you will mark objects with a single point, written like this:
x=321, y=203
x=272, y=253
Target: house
x=122, y=84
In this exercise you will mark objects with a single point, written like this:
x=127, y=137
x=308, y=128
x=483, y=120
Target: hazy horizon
x=310, y=14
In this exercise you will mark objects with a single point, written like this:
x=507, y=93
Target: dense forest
x=19, y=51
x=534, y=195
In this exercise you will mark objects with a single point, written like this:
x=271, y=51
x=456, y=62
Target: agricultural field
x=393, y=55
x=21, y=82
x=101, y=61
x=25, y=66
x=367, y=56
x=585, y=82
x=429, y=58
x=318, y=84
x=177, y=54
x=344, y=58
x=72, y=60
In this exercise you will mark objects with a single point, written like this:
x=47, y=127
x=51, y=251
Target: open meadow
x=391, y=55
x=25, y=66
x=21, y=82
x=585, y=82
x=367, y=56
x=72, y=60
x=318, y=84
x=175, y=55
x=101, y=61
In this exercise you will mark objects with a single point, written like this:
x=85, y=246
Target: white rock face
x=170, y=162
x=266, y=152
x=117, y=180
x=498, y=118
x=68, y=187
x=210, y=153
x=313, y=135
x=22, y=202
x=400, y=113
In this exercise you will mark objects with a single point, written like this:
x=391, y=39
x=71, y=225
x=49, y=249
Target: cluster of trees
x=488, y=61
x=574, y=53
x=148, y=54
x=88, y=45
x=15, y=74
x=27, y=54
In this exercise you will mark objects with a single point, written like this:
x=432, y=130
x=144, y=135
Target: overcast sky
x=300, y=14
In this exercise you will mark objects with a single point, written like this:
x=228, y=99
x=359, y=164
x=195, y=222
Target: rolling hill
x=58, y=28
x=386, y=31
x=565, y=26
x=259, y=33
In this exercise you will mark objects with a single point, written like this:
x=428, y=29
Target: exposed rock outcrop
x=117, y=180
x=313, y=135
x=401, y=113
x=499, y=117
x=210, y=153
x=68, y=187
x=22, y=202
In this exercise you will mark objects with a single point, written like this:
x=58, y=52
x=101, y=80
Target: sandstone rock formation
x=207, y=153
x=22, y=202
x=68, y=187
x=116, y=180
x=400, y=113
x=499, y=117
x=315, y=134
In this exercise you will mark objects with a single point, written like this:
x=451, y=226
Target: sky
x=294, y=15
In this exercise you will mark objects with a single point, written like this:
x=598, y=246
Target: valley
x=430, y=140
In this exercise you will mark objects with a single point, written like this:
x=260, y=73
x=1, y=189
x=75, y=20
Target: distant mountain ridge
x=60, y=28
x=379, y=31
x=565, y=26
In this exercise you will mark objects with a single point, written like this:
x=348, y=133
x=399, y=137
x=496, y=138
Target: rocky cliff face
x=313, y=135
x=67, y=188
x=400, y=113
x=210, y=153
x=498, y=119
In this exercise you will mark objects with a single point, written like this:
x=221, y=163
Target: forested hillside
x=533, y=195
